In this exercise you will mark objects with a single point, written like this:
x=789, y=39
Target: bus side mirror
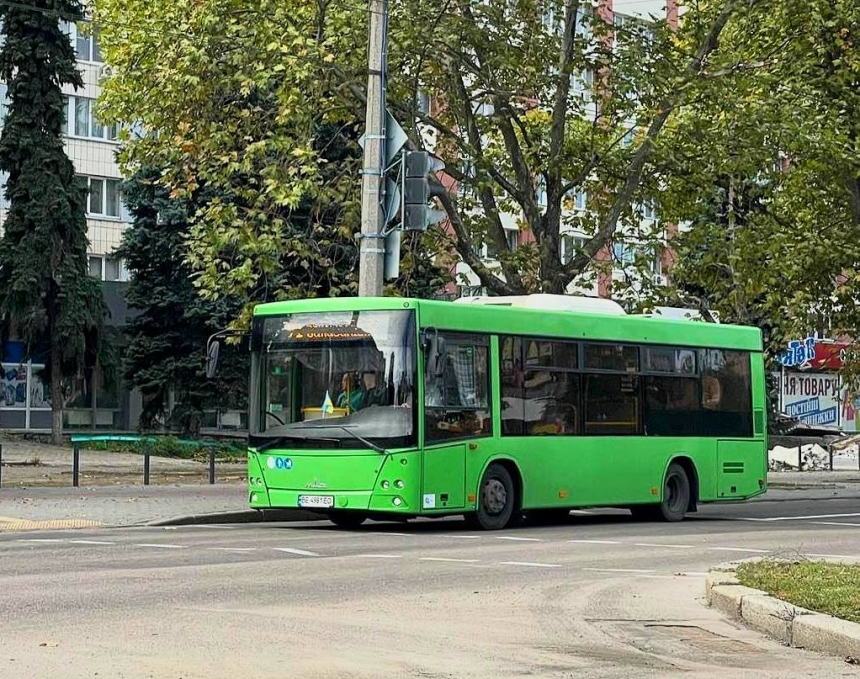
x=212, y=352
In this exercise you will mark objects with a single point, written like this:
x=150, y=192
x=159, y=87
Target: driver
x=352, y=394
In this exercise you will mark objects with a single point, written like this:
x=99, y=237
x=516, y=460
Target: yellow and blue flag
x=327, y=406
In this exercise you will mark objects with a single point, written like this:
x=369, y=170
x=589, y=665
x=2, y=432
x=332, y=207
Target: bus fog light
x=397, y=502
x=385, y=485
x=398, y=484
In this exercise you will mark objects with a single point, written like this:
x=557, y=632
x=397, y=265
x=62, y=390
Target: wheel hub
x=495, y=496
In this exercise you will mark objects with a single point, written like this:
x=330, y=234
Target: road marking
x=511, y=537
x=834, y=523
x=377, y=556
x=91, y=542
x=464, y=537
x=297, y=552
x=656, y=544
x=800, y=518
x=447, y=560
x=233, y=549
x=530, y=564
x=831, y=556
x=597, y=542
x=694, y=573
x=204, y=526
x=404, y=535
x=159, y=546
x=41, y=540
x=619, y=570
x=739, y=549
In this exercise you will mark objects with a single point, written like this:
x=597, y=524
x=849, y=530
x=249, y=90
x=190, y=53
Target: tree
x=776, y=244
x=167, y=340
x=45, y=291
x=264, y=80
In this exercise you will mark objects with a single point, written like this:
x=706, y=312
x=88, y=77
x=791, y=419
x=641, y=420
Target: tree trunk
x=56, y=395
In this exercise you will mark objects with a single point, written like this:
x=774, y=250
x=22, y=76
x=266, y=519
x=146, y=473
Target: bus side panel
x=739, y=467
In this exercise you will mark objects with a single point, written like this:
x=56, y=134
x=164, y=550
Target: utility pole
x=372, y=244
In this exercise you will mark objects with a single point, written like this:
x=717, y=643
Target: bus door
x=443, y=477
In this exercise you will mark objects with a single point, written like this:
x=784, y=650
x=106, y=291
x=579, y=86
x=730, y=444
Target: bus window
x=456, y=402
x=618, y=357
x=726, y=393
x=671, y=405
x=611, y=404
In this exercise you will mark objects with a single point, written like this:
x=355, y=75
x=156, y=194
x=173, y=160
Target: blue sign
x=810, y=412
x=279, y=463
x=798, y=353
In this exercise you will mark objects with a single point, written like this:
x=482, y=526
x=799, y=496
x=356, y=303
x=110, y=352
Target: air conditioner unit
x=660, y=279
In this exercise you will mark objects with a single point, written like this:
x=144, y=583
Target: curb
x=789, y=624
x=243, y=516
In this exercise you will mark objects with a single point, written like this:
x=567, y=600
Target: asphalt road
x=597, y=596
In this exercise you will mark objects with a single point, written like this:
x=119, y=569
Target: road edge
x=789, y=624
x=242, y=516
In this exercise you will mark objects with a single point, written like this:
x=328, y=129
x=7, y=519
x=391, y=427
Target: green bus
x=396, y=408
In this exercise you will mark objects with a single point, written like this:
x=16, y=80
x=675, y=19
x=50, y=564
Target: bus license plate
x=325, y=501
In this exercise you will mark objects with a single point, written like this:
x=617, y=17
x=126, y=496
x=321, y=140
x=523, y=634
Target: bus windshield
x=338, y=379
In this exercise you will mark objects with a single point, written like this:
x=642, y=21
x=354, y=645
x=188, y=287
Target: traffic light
x=418, y=166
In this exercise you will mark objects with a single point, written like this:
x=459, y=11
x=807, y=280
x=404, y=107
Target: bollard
x=146, y=467
x=76, y=464
x=830, y=450
x=1, y=465
x=212, y=466
x=800, y=458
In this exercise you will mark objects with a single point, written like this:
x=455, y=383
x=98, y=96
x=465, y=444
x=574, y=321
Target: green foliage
x=44, y=287
x=165, y=353
x=768, y=174
x=266, y=80
x=831, y=588
x=170, y=446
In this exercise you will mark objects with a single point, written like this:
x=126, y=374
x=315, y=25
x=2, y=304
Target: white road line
x=619, y=570
x=656, y=544
x=464, y=537
x=233, y=549
x=694, y=573
x=513, y=538
x=530, y=564
x=403, y=535
x=831, y=556
x=297, y=552
x=159, y=546
x=800, y=518
x=91, y=542
x=377, y=556
x=596, y=542
x=40, y=540
x=204, y=526
x=834, y=523
x=738, y=549
x=447, y=560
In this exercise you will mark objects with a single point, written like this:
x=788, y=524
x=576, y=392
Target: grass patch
x=823, y=587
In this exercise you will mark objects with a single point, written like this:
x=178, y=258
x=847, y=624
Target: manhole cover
x=702, y=639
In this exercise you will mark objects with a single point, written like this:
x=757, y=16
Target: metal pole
x=800, y=458
x=211, y=466
x=76, y=464
x=146, y=467
x=1, y=465
x=372, y=245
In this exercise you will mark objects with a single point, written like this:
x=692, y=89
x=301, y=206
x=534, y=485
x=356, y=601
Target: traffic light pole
x=372, y=243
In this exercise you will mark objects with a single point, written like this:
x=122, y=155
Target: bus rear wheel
x=676, y=498
x=497, y=501
x=347, y=519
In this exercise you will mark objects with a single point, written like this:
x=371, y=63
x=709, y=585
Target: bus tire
x=347, y=519
x=676, y=494
x=497, y=500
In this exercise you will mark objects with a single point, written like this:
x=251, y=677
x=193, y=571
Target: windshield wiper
x=370, y=444
x=277, y=440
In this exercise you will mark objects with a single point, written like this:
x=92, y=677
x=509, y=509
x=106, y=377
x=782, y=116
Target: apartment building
x=618, y=270
x=101, y=402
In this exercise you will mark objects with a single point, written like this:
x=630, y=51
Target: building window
x=570, y=245
x=86, y=46
x=457, y=388
x=512, y=237
x=84, y=122
x=108, y=268
x=471, y=291
x=105, y=197
x=576, y=199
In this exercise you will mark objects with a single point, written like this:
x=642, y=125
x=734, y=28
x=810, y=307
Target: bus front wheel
x=676, y=498
x=497, y=503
